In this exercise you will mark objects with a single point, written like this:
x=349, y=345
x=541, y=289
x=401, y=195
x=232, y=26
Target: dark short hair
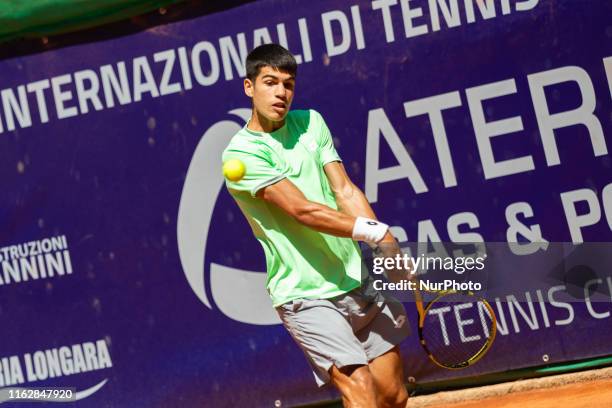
x=270, y=55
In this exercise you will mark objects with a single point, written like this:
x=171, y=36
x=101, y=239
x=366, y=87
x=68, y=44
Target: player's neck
x=259, y=123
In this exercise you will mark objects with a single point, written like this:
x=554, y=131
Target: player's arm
x=349, y=197
x=352, y=201
x=319, y=217
x=285, y=195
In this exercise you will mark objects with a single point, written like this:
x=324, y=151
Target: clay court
x=591, y=389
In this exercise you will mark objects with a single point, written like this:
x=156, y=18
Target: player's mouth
x=280, y=106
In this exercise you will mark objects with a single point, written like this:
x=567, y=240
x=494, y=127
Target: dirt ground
x=592, y=389
x=592, y=394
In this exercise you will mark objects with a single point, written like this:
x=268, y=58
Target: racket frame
x=423, y=310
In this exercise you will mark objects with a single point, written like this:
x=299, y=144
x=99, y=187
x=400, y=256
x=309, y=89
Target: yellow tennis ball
x=234, y=170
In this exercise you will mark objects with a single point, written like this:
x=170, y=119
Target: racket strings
x=456, y=328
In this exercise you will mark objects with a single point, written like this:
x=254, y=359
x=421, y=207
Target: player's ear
x=248, y=87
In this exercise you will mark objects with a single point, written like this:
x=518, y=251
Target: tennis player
x=308, y=216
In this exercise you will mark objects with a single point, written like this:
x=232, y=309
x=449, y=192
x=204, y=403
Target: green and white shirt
x=301, y=262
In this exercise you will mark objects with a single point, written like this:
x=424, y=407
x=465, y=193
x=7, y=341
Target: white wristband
x=368, y=230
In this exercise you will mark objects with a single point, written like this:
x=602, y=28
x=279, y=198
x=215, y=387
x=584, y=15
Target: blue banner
x=128, y=273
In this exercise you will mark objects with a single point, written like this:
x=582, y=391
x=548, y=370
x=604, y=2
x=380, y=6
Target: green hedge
x=38, y=18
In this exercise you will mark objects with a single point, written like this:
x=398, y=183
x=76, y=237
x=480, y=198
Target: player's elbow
x=345, y=192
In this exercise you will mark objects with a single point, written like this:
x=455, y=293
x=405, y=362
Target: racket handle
x=418, y=300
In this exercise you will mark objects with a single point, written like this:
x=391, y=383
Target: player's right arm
x=266, y=182
x=285, y=195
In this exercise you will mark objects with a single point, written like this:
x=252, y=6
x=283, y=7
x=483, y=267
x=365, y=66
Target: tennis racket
x=456, y=328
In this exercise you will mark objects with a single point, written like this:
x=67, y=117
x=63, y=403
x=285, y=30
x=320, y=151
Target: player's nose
x=281, y=91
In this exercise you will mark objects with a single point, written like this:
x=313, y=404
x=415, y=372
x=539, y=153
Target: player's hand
x=388, y=247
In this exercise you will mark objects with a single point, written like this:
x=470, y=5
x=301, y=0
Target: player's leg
x=355, y=384
x=388, y=376
x=380, y=323
x=335, y=354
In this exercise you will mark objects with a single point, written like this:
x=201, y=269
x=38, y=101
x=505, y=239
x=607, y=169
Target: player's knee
x=362, y=382
x=393, y=396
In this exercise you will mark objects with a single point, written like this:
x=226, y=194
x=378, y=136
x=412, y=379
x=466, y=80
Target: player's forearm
x=352, y=201
x=325, y=219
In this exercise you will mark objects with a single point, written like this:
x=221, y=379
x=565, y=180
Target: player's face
x=272, y=93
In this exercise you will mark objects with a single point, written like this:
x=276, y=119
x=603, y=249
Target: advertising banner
x=129, y=275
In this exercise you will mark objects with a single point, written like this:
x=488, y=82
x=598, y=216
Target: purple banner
x=128, y=273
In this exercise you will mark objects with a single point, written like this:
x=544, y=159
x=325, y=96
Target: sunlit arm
x=352, y=201
x=349, y=197
x=319, y=217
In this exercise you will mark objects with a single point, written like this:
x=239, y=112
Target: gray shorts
x=353, y=328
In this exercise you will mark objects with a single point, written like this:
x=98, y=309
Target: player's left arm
x=352, y=201
x=349, y=197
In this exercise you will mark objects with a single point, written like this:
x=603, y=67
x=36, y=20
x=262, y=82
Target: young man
x=308, y=215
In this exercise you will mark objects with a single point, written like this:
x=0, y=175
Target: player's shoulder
x=306, y=117
x=241, y=144
x=305, y=114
